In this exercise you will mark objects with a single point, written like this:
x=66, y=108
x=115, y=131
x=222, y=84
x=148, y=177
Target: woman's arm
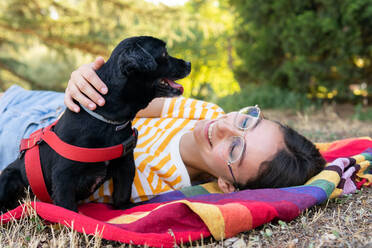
x=85, y=87
x=154, y=109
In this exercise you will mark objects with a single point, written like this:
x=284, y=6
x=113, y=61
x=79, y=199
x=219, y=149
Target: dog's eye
x=164, y=54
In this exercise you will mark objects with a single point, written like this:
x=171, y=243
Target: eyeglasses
x=245, y=119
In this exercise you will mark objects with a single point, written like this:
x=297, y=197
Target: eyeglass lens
x=246, y=118
x=235, y=148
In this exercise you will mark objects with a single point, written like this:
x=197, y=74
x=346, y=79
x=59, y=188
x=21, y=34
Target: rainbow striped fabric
x=201, y=211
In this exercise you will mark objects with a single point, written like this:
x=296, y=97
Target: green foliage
x=210, y=51
x=43, y=41
x=302, y=45
x=283, y=51
x=266, y=96
x=68, y=33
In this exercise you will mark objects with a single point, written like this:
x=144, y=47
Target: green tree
x=316, y=47
x=210, y=50
x=42, y=41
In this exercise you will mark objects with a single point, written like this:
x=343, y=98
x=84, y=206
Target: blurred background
x=281, y=54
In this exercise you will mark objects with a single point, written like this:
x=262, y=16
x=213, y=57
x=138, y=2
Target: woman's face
x=261, y=144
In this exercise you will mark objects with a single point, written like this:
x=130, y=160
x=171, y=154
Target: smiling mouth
x=208, y=131
x=170, y=85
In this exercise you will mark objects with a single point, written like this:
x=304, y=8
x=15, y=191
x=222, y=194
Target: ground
x=341, y=222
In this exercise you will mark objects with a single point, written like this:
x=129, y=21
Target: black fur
x=132, y=74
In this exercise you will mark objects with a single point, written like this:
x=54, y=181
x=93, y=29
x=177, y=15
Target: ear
x=225, y=186
x=136, y=59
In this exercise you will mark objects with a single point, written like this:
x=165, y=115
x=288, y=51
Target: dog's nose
x=188, y=65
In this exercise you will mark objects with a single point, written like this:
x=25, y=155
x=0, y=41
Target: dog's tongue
x=174, y=85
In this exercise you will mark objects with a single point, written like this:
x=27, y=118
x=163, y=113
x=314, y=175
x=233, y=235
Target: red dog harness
x=30, y=147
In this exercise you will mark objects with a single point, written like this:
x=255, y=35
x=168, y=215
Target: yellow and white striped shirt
x=159, y=167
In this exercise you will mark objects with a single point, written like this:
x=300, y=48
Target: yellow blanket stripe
x=212, y=187
x=330, y=176
x=210, y=214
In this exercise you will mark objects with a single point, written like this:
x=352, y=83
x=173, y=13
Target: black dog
x=138, y=71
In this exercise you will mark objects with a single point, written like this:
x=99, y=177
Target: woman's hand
x=83, y=86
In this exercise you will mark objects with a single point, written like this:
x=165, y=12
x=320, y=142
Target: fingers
x=70, y=103
x=98, y=63
x=83, y=86
x=84, y=83
x=74, y=93
x=91, y=76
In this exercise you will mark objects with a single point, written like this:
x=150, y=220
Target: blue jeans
x=21, y=113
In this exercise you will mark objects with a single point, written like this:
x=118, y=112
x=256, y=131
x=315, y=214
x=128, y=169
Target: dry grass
x=327, y=124
x=33, y=232
x=342, y=222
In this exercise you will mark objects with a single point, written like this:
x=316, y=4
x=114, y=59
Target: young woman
x=181, y=141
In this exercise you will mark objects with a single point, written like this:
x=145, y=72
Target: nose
x=225, y=127
x=188, y=66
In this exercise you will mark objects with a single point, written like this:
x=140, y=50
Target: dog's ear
x=136, y=59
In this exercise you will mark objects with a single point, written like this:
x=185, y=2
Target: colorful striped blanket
x=202, y=211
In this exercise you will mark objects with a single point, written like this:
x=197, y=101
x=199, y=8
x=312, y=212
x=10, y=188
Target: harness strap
x=34, y=171
x=34, y=138
x=35, y=174
x=81, y=154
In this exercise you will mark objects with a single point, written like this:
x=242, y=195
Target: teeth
x=210, y=132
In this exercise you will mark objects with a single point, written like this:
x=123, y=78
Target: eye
x=164, y=54
x=245, y=122
x=232, y=149
x=235, y=148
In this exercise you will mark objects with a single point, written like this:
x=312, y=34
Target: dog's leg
x=12, y=187
x=123, y=171
x=64, y=191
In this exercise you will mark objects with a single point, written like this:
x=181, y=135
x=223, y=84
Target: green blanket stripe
x=327, y=186
x=194, y=190
x=368, y=170
x=367, y=156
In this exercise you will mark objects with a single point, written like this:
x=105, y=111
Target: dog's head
x=149, y=69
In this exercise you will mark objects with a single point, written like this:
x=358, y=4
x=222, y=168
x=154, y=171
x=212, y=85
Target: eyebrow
x=243, y=155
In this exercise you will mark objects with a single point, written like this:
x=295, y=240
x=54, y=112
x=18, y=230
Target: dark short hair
x=293, y=165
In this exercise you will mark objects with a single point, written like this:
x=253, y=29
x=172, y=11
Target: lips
x=206, y=131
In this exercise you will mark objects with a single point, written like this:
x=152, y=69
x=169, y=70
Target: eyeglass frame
x=235, y=183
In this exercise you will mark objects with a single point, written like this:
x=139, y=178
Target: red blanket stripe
x=346, y=148
x=233, y=212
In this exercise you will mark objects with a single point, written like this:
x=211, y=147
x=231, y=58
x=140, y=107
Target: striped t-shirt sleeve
x=188, y=108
